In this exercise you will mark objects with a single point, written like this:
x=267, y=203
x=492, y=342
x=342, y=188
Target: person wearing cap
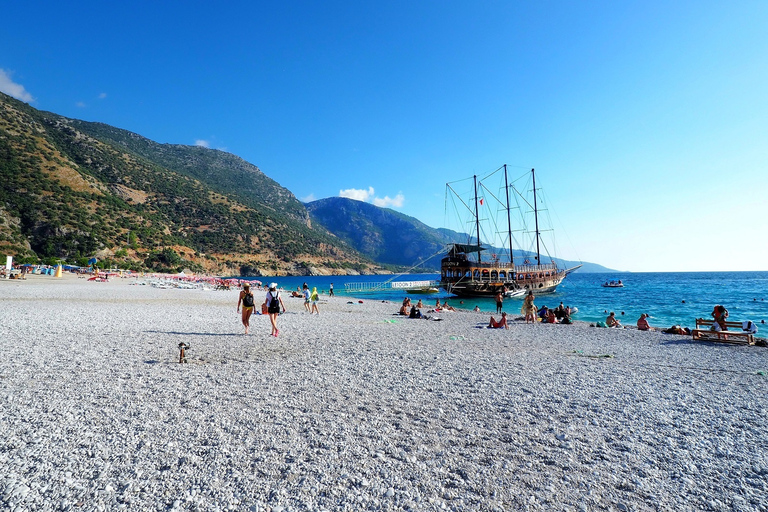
x=274, y=306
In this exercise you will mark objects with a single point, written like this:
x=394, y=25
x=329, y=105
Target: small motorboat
x=613, y=284
x=423, y=289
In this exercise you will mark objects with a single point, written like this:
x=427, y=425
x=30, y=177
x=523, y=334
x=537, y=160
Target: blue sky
x=647, y=122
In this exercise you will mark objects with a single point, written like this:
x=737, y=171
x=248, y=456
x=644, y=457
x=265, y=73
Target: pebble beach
x=359, y=409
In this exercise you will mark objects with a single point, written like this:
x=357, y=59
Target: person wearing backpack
x=274, y=306
x=247, y=301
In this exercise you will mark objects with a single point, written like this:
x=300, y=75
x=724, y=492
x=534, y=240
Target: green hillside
x=70, y=190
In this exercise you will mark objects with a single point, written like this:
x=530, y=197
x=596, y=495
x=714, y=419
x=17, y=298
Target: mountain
x=71, y=189
x=381, y=234
x=387, y=236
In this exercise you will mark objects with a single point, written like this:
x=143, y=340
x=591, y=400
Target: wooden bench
x=739, y=337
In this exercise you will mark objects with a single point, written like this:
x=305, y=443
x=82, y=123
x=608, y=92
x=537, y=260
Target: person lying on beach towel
x=493, y=324
x=447, y=307
x=676, y=329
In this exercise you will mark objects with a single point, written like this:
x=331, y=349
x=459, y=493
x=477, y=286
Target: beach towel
x=749, y=327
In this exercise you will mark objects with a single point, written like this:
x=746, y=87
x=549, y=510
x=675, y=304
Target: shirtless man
x=611, y=320
x=499, y=301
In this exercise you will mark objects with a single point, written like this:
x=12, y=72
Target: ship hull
x=465, y=279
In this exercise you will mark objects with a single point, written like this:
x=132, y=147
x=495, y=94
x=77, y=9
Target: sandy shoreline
x=357, y=409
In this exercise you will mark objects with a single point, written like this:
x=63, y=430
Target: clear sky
x=647, y=121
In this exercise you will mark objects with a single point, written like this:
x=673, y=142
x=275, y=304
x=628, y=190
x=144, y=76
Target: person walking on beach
x=313, y=298
x=330, y=291
x=305, y=292
x=499, y=301
x=274, y=306
x=529, y=308
x=247, y=301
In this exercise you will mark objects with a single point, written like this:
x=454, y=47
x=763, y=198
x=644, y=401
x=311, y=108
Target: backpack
x=275, y=302
x=248, y=300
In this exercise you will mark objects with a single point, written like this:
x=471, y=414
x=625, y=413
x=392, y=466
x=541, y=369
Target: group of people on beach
x=273, y=303
x=414, y=310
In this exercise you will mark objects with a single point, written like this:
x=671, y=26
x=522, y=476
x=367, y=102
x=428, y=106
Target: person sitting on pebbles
x=493, y=324
x=611, y=321
x=551, y=317
x=642, y=323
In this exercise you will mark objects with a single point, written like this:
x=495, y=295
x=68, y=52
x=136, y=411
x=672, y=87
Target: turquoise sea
x=669, y=297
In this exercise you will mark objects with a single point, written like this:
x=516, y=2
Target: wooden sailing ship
x=465, y=272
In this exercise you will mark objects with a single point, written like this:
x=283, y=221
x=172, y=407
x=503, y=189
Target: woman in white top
x=274, y=306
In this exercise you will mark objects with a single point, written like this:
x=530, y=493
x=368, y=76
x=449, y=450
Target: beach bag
x=248, y=300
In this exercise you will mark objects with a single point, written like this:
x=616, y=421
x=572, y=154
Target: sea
x=670, y=298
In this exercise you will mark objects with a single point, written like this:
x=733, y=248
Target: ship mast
x=477, y=220
x=536, y=217
x=509, y=219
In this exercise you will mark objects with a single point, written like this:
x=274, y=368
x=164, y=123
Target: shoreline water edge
x=356, y=408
